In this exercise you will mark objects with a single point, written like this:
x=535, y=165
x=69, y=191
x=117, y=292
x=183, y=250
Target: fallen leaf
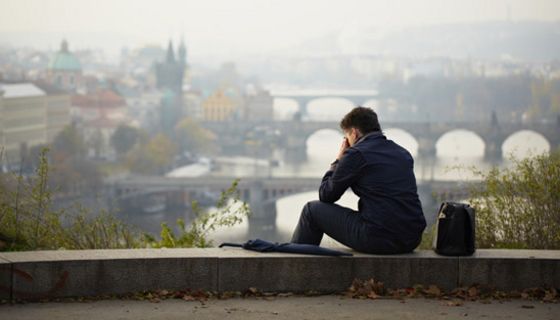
x=550, y=295
x=253, y=290
x=372, y=295
x=473, y=292
x=527, y=307
x=433, y=291
x=311, y=293
x=454, y=303
x=286, y=294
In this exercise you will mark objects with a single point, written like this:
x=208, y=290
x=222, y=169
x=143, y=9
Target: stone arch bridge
x=260, y=193
x=293, y=135
x=304, y=97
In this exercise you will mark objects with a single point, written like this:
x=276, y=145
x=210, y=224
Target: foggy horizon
x=223, y=30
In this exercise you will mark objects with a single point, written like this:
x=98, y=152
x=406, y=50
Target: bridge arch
x=285, y=108
x=403, y=138
x=524, y=143
x=325, y=141
x=386, y=111
x=328, y=108
x=460, y=143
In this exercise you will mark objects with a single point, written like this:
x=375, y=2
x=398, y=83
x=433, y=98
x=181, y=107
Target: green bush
x=28, y=222
x=229, y=212
x=428, y=238
x=519, y=207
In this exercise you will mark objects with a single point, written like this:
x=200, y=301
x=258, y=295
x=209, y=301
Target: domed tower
x=64, y=70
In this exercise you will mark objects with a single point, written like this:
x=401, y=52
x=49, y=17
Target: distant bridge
x=303, y=97
x=294, y=134
x=260, y=193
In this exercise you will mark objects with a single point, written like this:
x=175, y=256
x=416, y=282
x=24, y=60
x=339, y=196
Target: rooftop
x=20, y=90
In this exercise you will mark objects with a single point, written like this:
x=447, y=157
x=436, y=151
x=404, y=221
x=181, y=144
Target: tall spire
x=182, y=52
x=170, y=54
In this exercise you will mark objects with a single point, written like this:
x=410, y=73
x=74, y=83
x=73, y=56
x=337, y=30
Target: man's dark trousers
x=347, y=227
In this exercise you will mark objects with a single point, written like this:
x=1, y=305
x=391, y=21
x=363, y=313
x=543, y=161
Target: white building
x=30, y=116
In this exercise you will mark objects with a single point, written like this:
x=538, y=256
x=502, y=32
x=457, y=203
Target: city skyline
x=226, y=28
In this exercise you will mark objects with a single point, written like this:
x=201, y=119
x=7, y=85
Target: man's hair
x=363, y=119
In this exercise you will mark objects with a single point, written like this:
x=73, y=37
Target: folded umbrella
x=266, y=246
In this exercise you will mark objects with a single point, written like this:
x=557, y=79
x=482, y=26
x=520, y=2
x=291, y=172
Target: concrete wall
x=35, y=275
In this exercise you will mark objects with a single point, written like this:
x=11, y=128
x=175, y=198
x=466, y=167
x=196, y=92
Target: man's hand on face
x=345, y=145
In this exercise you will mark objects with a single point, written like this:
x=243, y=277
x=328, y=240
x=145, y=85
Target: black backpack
x=455, y=230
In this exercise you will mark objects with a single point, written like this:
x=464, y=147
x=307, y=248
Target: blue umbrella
x=266, y=246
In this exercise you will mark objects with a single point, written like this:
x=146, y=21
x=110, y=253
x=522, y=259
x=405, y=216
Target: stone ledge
x=38, y=274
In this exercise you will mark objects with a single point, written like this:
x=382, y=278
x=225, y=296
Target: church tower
x=169, y=74
x=170, y=55
x=183, y=53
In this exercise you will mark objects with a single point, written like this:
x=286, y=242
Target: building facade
x=30, y=116
x=218, y=107
x=99, y=114
x=259, y=106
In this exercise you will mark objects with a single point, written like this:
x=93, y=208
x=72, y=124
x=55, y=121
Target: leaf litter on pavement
x=372, y=289
x=359, y=289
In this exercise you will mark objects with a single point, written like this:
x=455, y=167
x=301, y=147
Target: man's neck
x=367, y=135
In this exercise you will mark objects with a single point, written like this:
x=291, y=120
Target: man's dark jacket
x=380, y=172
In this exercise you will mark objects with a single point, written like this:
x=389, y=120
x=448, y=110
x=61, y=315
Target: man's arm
x=343, y=173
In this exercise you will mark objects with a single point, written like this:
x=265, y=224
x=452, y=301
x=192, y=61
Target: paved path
x=322, y=307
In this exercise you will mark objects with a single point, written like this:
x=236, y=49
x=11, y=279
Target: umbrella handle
x=228, y=244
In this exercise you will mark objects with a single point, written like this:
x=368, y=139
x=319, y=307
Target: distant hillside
x=530, y=41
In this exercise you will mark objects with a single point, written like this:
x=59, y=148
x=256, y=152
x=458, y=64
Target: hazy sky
x=221, y=27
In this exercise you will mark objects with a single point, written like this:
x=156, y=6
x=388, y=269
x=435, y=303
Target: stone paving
x=294, y=307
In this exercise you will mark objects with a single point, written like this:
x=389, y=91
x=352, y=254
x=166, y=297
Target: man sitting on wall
x=380, y=172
